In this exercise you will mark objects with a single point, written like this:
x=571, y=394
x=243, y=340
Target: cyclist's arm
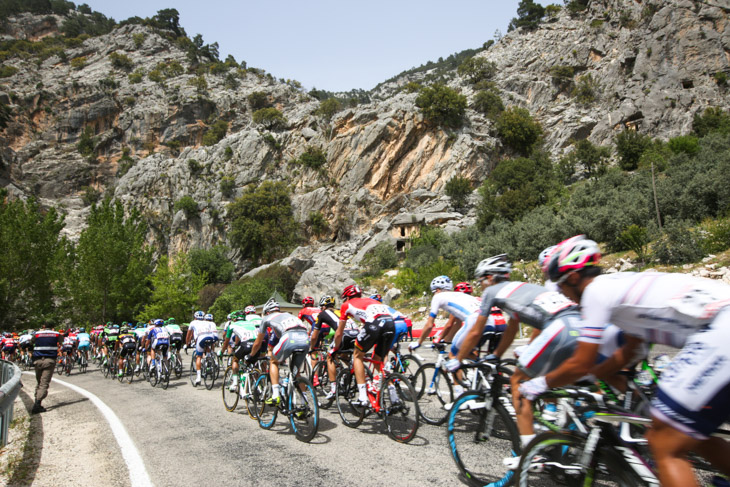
x=508, y=336
x=340, y=331
x=631, y=352
x=189, y=336
x=447, y=327
x=257, y=343
x=472, y=337
x=313, y=341
x=575, y=367
x=426, y=330
x=535, y=333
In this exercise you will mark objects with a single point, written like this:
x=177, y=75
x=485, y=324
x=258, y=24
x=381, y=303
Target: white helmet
x=199, y=315
x=544, y=255
x=208, y=317
x=441, y=282
x=493, y=265
x=271, y=306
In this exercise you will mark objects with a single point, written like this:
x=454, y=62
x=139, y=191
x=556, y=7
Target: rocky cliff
x=650, y=64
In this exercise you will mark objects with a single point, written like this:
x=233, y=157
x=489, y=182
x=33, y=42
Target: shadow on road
x=25, y=473
x=66, y=403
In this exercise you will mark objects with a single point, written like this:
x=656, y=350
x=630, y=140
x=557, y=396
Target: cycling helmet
x=441, y=282
x=250, y=310
x=271, y=306
x=498, y=265
x=573, y=254
x=351, y=291
x=171, y=321
x=377, y=297
x=208, y=317
x=198, y=315
x=159, y=322
x=108, y=323
x=125, y=329
x=543, y=257
x=326, y=300
x=308, y=301
x=464, y=287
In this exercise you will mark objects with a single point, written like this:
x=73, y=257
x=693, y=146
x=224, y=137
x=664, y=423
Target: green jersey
x=245, y=330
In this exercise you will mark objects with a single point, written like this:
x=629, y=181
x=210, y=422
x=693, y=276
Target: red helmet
x=464, y=287
x=308, y=301
x=352, y=291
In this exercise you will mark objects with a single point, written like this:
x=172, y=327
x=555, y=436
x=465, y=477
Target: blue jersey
x=160, y=334
x=84, y=339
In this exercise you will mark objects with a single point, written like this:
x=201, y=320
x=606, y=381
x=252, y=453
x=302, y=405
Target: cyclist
x=109, y=339
x=68, y=345
x=158, y=341
x=128, y=346
x=326, y=325
x=84, y=343
x=140, y=333
x=240, y=336
x=288, y=335
x=9, y=347
x=377, y=332
x=678, y=310
x=25, y=343
x=308, y=313
x=176, y=337
x=203, y=333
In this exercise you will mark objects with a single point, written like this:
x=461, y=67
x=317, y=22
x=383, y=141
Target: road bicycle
x=242, y=388
x=159, y=371
x=298, y=401
x=406, y=364
x=480, y=429
x=434, y=388
x=65, y=363
x=127, y=369
x=394, y=400
x=320, y=377
x=176, y=364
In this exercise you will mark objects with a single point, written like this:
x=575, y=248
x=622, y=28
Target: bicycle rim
x=154, y=376
x=177, y=368
x=267, y=413
x=165, y=374
x=209, y=373
x=229, y=391
x=434, y=391
x=352, y=416
x=399, y=404
x=254, y=392
x=193, y=372
x=321, y=383
x=477, y=448
x=129, y=371
x=409, y=365
x=303, y=408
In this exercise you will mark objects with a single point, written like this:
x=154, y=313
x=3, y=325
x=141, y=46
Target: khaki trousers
x=44, y=368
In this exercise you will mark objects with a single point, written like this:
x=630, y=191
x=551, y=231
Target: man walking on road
x=45, y=353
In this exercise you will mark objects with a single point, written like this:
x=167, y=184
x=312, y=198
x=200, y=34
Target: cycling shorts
x=26, y=346
x=244, y=348
x=65, y=348
x=461, y=334
x=491, y=336
x=290, y=342
x=401, y=330
x=176, y=340
x=555, y=344
x=324, y=331
x=85, y=347
x=128, y=349
x=159, y=342
x=348, y=341
x=377, y=335
x=694, y=390
x=204, y=341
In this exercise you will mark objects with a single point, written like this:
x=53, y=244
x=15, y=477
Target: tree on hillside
x=518, y=130
x=529, y=15
x=29, y=261
x=442, y=105
x=175, y=288
x=262, y=222
x=109, y=280
x=168, y=18
x=213, y=263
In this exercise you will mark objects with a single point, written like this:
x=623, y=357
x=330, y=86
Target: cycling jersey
x=531, y=304
x=111, y=334
x=203, y=329
x=68, y=342
x=364, y=310
x=245, y=331
x=459, y=305
x=309, y=315
x=25, y=338
x=660, y=308
x=328, y=318
x=159, y=336
x=280, y=323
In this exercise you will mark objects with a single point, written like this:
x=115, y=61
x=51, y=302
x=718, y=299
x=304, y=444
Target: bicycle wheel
x=321, y=382
x=83, y=365
x=555, y=459
x=434, y=391
x=69, y=365
x=129, y=370
x=120, y=378
x=193, y=371
x=177, y=367
x=477, y=451
x=209, y=371
x=267, y=412
x=165, y=373
x=408, y=366
x=230, y=390
x=399, y=403
x=303, y=409
x=105, y=369
x=154, y=374
x=351, y=415
x=249, y=387
x=60, y=366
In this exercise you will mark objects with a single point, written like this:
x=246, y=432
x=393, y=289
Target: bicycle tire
x=165, y=373
x=267, y=413
x=177, y=367
x=83, y=365
x=193, y=371
x=399, y=405
x=60, y=366
x=352, y=416
x=129, y=370
x=434, y=390
x=253, y=376
x=555, y=458
x=120, y=378
x=321, y=378
x=105, y=369
x=154, y=374
x=478, y=456
x=303, y=409
x=69, y=366
x=409, y=365
x=209, y=372
x=230, y=394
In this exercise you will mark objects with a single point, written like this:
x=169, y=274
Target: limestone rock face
x=651, y=68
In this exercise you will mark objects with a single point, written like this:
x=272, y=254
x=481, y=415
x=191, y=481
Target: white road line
x=137, y=472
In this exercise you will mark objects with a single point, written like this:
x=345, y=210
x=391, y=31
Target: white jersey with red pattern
x=309, y=315
x=364, y=310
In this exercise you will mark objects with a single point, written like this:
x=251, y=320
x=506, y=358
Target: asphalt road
x=186, y=436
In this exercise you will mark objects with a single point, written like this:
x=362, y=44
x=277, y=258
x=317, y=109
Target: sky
x=328, y=44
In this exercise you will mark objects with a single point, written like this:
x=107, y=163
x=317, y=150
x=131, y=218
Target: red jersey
x=364, y=310
x=309, y=315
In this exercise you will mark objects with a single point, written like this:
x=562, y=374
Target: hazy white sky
x=328, y=44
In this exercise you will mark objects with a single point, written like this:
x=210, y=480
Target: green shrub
x=228, y=153
x=412, y=87
x=442, y=105
x=78, y=63
x=552, y=10
x=156, y=76
x=687, y=144
x=477, y=69
x=586, y=90
x=518, y=130
x=258, y=100
x=716, y=235
x=529, y=15
x=213, y=263
x=272, y=142
x=713, y=119
x=270, y=118
x=194, y=166
x=380, y=258
x=636, y=238
x=577, y=6
x=138, y=39
x=630, y=145
x=121, y=61
x=87, y=142
x=312, y=157
x=489, y=103
x=458, y=190
x=658, y=154
x=596, y=23
x=228, y=186
x=679, y=244
x=720, y=78
x=317, y=223
x=562, y=76
x=215, y=133
x=7, y=71
x=328, y=108
x=90, y=196
x=136, y=77
x=188, y=205
x=199, y=83
x=592, y=158
x=417, y=281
